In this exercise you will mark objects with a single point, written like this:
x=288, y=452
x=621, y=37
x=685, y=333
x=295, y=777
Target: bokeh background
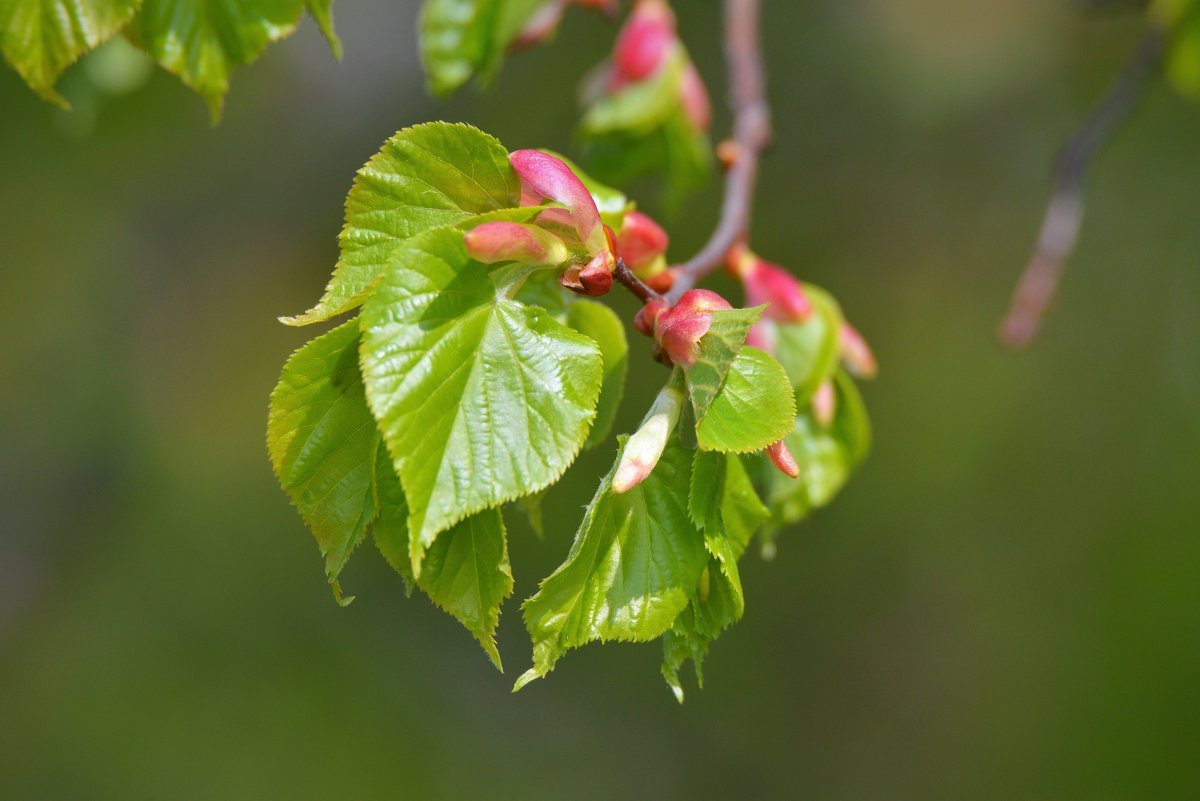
x=1003, y=604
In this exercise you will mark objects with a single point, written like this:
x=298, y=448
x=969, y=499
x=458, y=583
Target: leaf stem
x=751, y=135
x=1064, y=215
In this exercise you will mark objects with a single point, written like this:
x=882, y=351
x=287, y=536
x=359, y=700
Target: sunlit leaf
x=754, y=408
x=601, y=324
x=718, y=348
x=480, y=398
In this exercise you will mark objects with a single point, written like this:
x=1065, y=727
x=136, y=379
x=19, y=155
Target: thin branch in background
x=751, y=134
x=1064, y=216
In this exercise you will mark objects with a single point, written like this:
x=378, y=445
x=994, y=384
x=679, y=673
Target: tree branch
x=627, y=279
x=1064, y=216
x=751, y=134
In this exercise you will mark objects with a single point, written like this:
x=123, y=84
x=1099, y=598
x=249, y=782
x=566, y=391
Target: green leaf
x=323, y=440
x=41, y=38
x=809, y=351
x=723, y=503
x=322, y=13
x=601, y=324
x=457, y=39
x=633, y=567
x=754, y=408
x=718, y=348
x=202, y=40
x=428, y=176
x=641, y=107
x=391, y=527
x=480, y=398
x=466, y=573
x=825, y=456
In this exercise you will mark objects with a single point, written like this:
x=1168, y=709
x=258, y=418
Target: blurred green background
x=1003, y=604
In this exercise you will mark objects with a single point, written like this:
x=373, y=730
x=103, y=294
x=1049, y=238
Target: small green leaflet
x=718, y=348
x=463, y=39
x=41, y=38
x=202, y=41
x=808, y=351
x=322, y=14
x=480, y=398
x=826, y=456
x=428, y=176
x=635, y=562
x=601, y=324
x=466, y=573
x=323, y=441
x=754, y=408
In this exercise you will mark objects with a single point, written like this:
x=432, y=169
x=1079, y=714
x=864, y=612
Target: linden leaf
x=754, y=408
x=633, y=567
x=480, y=398
x=428, y=176
x=41, y=38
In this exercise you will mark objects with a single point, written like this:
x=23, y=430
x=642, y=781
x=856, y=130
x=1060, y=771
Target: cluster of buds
x=642, y=244
x=544, y=21
x=647, y=45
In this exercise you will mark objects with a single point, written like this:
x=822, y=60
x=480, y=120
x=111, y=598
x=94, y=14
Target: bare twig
x=751, y=133
x=627, y=279
x=1064, y=216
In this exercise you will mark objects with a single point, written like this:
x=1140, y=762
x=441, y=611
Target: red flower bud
x=544, y=176
x=508, y=241
x=592, y=279
x=824, y=403
x=681, y=327
x=771, y=284
x=662, y=282
x=642, y=241
x=647, y=316
x=782, y=458
x=856, y=353
x=694, y=98
x=643, y=44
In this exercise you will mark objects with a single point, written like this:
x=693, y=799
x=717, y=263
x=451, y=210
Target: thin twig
x=751, y=134
x=1064, y=216
x=627, y=279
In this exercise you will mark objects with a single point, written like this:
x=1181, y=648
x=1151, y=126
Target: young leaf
x=457, y=39
x=718, y=348
x=600, y=323
x=808, y=351
x=826, y=456
x=754, y=408
x=724, y=504
x=41, y=38
x=466, y=573
x=480, y=398
x=322, y=13
x=632, y=569
x=323, y=440
x=428, y=176
x=201, y=41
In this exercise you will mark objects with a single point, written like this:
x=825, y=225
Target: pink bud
x=681, y=327
x=508, y=241
x=642, y=240
x=782, y=458
x=647, y=316
x=544, y=176
x=663, y=281
x=541, y=25
x=694, y=98
x=645, y=447
x=762, y=336
x=643, y=44
x=771, y=284
x=824, y=403
x=856, y=353
x=592, y=279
